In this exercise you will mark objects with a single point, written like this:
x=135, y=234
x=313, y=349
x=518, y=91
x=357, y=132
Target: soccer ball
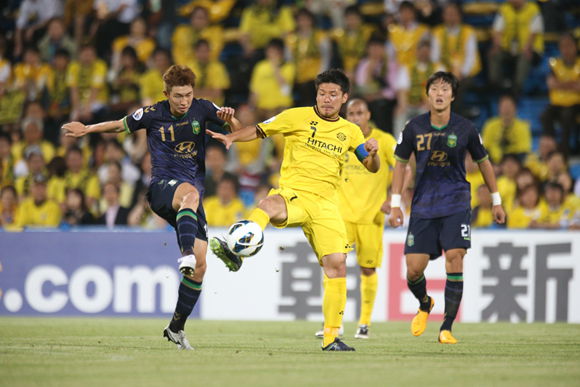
x=245, y=238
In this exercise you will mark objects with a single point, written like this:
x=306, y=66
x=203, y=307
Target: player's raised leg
x=453, y=292
x=272, y=208
x=416, y=264
x=334, y=301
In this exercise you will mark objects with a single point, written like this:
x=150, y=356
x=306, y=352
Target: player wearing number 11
x=440, y=211
x=176, y=139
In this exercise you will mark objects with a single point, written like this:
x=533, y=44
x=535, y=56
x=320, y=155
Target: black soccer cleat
x=220, y=248
x=337, y=345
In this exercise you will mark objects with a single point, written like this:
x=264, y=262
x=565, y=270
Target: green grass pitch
x=131, y=352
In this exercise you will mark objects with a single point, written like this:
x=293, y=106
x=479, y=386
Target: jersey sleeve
x=475, y=146
x=141, y=118
x=279, y=124
x=404, y=145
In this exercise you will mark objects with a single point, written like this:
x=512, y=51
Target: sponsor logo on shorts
x=410, y=240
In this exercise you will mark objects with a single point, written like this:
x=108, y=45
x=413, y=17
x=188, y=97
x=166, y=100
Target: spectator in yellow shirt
x=137, y=39
x=272, y=80
x=506, y=184
x=406, y=35
x=186, y=35
x=311, y=51
x=481, y=217
x=35, y=165
x=32, y=75
x=517, y=41
x=32, y=131
x=151, y=82
x=527, y=212
x=87, y=83
x=564, y=87
x=224, y=208
x=536, y=161
x=77, y=176
x=554, y=213
x=8, y=206
x=263, y=21
x=507, y=133
x=211, y=76
x=37, y=210
x=352, y=40
x=6, y=161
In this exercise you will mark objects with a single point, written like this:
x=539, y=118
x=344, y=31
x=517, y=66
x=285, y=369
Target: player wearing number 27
x=316, y=140
x=176, y=140
x=440, y=211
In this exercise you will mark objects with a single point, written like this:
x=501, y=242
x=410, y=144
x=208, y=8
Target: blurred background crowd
x=95, y=60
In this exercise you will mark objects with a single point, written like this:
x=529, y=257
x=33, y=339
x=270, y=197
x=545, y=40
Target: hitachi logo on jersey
x=323, y=145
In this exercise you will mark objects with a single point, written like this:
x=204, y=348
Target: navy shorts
x=431, y=236
x=160, y=197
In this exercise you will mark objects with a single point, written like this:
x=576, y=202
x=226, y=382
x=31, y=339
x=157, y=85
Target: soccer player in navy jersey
x=440, y=211
x=176, y=139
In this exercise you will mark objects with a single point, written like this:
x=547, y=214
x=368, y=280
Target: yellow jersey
x=564, y=73
x=507, y=188
x=362, y=193
x=222, y=215
x=87, y=78
x=269, y=94
x=499, y=140
x=314, y=148
x=521, y=217
x=47, y=214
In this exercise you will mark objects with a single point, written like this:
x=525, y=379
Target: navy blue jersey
x=440, y=185
x=176, y=144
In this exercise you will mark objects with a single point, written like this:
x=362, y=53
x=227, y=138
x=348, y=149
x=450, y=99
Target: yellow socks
x=333, y=304
x=368, y=292
x=259, y=216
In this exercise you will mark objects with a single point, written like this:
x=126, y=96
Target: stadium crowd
x=93, y=60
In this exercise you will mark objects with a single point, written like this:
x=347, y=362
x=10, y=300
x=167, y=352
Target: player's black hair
x=446, y=77
x=509, y=96
x=228, y=177
x=353, y=9
x=62, y=52
x=335, y=76
x=276, y=43
x=554, y=185
x=407, y=5
x=511, y=156
x=201, y=42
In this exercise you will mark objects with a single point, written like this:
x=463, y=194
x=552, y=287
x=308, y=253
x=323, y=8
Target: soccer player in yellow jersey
x=363, y=204
x=316, y=140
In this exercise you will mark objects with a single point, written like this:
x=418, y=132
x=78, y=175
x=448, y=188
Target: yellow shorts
x=319, y=218
x=368, y=243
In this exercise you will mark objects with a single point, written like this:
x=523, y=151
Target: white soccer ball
x=245, y=238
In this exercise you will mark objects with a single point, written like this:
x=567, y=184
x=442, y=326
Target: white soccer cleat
x=362, y=332
x=187, y=265
x=178, y=338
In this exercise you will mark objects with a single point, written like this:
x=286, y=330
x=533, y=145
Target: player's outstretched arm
x=78, y=129
x=489, y=177
x=372, y=162
x=248, y=133
x=396, y=218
